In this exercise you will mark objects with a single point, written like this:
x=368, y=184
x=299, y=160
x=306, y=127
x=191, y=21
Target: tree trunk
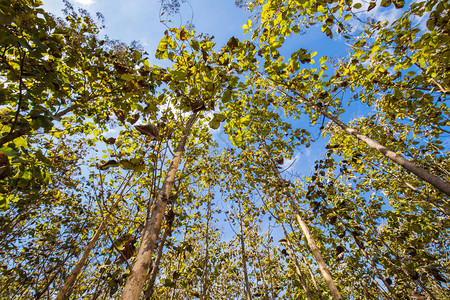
x=77, y=269
x=135, y=282
x=420, y=172
x=297, y=265
x=315, y=250
x=206, y=267
x=155, y=266
x=313, y=278
x=244, y=256
x=310, y=239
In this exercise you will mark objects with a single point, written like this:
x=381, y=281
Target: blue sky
x=140, y=19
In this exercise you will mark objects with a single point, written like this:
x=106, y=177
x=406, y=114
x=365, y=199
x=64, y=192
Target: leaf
x=137, y=55
x=42, y=157
x=134, y=164
x=233, y=43
x=226, y=97
x=195, y=45
x=96, y=132
x=109, y=164
x=431, y=23
x=168, y=283
x=219, y=117
x=399, y=3
x=247, y=26
x=385, y=3
x=109, y=141
x=149, y=130
x=371, y=6
x=357, y=6
x=214, y=124
x=127, y=77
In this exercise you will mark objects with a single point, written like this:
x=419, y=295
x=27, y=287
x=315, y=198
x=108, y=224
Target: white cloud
x=85, y=2
x=289, y=163
x=378, y=13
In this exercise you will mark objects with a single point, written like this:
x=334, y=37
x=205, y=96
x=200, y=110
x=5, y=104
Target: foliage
x=88, y=121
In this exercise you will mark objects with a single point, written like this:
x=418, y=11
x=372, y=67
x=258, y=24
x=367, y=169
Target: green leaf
x=385, y=3
x=42, y=157
x=248, y=25
x=220, y=117
x=226, y=97
x=323, y=59
x=137, y=55
x=127, y=77
x=431, y=23
x=195, y=45
x=214, y=124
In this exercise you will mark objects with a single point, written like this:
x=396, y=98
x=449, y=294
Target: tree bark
x=155, y=267
x=135, y=282
x=244, y=256
x=310, y=239
x=77, y=269
x=206, y=267
x=420, y=172
x=297, y=265
x=313, y=278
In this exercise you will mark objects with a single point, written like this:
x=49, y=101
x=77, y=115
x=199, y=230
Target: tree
x=163, y=203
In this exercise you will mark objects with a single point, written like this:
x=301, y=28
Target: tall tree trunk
x=297, y=265
x=266, y=290
x=155, y=266
x=135, y=282
x=310, y=239
x=206, y=267
x=420, y=172
x=77, y=269
x=244, y=256
x=313, y=278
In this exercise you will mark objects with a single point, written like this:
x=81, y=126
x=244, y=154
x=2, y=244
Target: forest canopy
x=115, y=185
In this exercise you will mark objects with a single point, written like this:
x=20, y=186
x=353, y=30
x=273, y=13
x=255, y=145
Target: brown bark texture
x=135, y=282
x=310, y=239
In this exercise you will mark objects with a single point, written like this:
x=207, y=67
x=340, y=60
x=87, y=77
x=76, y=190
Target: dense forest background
x=114, y=185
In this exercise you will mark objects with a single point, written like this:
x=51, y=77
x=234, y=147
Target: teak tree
x=120, y=179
